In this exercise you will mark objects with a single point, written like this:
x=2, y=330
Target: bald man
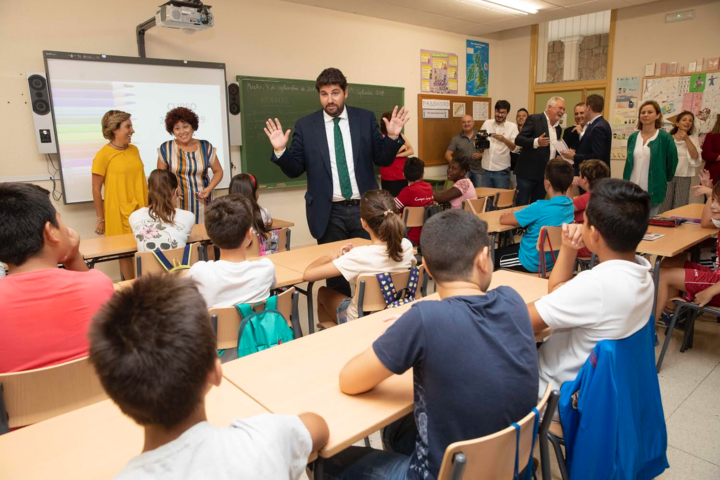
x=463, y=144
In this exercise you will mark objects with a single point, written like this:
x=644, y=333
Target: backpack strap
x=528, y=470
x=516, y=473
x=412, y=284
x=160, y=256
x=387, y=287
x=170, y=266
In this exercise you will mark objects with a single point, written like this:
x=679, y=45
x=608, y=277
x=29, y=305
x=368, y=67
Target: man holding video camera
x=464, y=144
x=499, y=136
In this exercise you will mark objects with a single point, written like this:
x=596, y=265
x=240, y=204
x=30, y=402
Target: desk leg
x=318, y=468
x=493, y=237
x=311, y=317
x=656, y=279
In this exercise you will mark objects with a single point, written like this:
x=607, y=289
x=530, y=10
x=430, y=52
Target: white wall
x=269, y=38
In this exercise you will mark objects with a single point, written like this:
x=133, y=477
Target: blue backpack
x=261, y=329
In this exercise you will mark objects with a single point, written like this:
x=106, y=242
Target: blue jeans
x=475, y=178
x=499, y=179
x=529, y=191
x=370, y=464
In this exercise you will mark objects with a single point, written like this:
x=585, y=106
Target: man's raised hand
x=543, y=141
x=274, y=132
x=396, y=123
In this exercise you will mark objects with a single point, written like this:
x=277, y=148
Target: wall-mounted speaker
x=234, y=110
x=42, y=119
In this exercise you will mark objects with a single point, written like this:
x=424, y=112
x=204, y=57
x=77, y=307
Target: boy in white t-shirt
x=389, y=252
x=610, y=302
x=153, y=349
x=232, y=279
x=161, y=224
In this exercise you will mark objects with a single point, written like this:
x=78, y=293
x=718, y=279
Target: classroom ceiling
x=463, y=17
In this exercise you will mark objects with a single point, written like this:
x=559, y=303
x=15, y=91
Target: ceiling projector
x=189, y=16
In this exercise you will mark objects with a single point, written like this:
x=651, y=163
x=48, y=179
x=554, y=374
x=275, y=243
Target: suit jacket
x=532, y=161
x=571, y=137
x=309, y=153
x=595, y=143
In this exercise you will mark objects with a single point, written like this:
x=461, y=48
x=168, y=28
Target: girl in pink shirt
x=463, y=189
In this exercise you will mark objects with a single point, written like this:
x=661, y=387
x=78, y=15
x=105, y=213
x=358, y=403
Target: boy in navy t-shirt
x=524, y=257
x=473, y=357
x=418, y=193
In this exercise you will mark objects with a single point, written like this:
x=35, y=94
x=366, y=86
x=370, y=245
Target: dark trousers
x=529, y=191
x=344, y=224
x=394, y=186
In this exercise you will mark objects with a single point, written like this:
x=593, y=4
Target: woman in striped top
x=191, y=160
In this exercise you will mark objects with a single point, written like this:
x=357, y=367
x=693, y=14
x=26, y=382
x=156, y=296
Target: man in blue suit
x=337, y=147
x=596, y=137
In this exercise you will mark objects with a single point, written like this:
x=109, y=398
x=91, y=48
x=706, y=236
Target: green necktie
x=342, y=168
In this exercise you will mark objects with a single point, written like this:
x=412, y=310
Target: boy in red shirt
x=591, y=172
x=46, y=311
x=418, y=193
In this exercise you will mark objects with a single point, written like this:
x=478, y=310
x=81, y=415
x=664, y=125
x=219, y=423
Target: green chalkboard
x=289, y=100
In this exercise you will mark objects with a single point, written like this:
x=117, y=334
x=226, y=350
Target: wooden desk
x=675, y=241
x=284, y=276
x=692, y=210
x=104, y=249
x=302, y=375
x=96, y=442
x=490, y=192
x=494, y=227
x=300, y=258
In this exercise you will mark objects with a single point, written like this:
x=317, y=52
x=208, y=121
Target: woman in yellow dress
x=118, y=167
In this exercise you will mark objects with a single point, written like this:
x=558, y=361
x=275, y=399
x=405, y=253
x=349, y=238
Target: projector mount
x=198, y=17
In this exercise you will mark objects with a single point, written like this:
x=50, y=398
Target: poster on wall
x=627, y=96
x=478, y=68
x=438, y=72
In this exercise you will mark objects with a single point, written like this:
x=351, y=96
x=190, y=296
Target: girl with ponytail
x=161, y=224
x=246, y=185
x=389, y=252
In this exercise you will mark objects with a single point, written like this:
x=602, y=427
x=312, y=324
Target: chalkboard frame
x=301, y=181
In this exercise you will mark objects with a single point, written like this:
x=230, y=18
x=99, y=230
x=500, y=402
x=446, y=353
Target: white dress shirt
x=347, y=143
x=585, y=127
x=552, y=137
x=497, y=158
x=687, y=165
x=641, y=161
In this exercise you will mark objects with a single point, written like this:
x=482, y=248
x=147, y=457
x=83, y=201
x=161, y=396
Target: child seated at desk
x=610, y=302
x=161, y=224
x=524, y=257
x=232, y=279
x=418, y=193
x=473, y=357
x=699, y=283
x=591, y=172
x=246, y=185
x=462, y=189
x=389, y=252
x=153, y=349
x=45, y=311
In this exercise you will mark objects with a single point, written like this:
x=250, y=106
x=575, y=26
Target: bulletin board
x=439, y=119
x=697, y=92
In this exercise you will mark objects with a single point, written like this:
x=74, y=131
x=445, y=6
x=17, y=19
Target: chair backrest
x=414, y=216
x=550, y=239
x=372, y=297
x=475, y=205
x=493, y=456
x=146, y=262
x=505, y=199
x=227, y=320
x=36, y=395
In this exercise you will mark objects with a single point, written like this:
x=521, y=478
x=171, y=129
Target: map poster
x=438, y=72
x=478, y=58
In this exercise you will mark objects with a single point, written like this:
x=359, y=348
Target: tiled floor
x=690, y=388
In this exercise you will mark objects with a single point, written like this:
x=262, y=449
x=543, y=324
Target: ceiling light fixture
x=512, y=7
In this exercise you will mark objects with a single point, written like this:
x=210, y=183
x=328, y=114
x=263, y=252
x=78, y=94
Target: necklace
x=119, y=148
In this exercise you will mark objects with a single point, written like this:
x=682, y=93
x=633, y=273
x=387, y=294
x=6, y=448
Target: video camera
x=482, y=140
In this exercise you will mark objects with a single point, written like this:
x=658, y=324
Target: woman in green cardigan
x=651, y=155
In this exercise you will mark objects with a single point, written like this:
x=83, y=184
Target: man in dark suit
x=536, y=139
x=337, y=147
x=596, y=138
x=571, y=135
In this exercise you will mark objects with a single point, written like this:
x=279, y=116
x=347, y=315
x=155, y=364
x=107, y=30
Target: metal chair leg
x=556, y=443
x=367, y=442
x=668, y=335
